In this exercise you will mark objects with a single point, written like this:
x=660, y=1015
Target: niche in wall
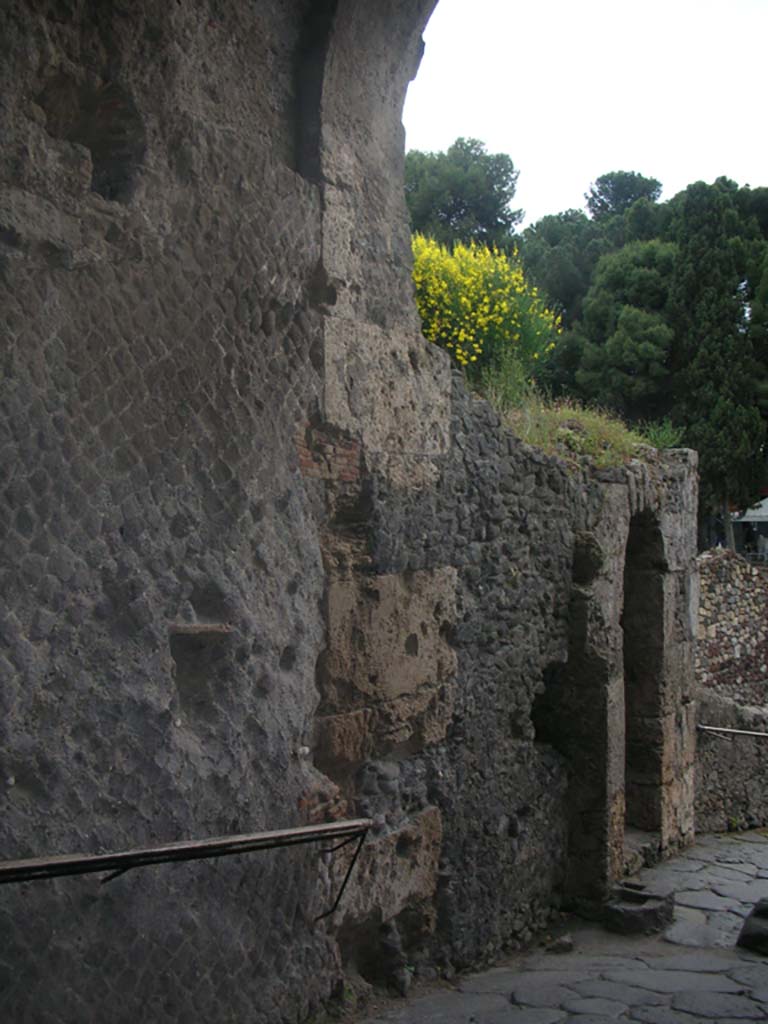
x=201, y=652
x=643, y=625
x=106, y=121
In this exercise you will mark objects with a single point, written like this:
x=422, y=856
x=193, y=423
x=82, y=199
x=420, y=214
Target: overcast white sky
x=571, y=89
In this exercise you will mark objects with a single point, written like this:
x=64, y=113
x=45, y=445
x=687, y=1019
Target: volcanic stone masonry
x=265, y=562
x=732, y=652
x=732, y=676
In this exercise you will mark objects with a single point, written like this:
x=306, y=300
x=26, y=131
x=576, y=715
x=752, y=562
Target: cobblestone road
x=693, y=973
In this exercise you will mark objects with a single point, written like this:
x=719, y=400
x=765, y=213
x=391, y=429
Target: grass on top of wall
x=565, y=428
x=568, y=429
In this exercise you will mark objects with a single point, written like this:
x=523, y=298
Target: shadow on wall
x=605, y=711
x=106, y=122
x=643, y=625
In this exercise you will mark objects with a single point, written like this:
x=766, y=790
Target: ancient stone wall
x=160, y=347
x=523, y=795
x=731, y=769
x=489, y=607
x=264, y=561
x=732, y=675
x=732, y=649
x=621, y=707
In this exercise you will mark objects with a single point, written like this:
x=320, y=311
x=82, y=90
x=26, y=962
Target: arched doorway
x=643, y=635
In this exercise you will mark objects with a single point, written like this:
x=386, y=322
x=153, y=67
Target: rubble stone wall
x=264, y=561
x=160, y=346
x=731, y=769
x=732, y=649
x=732, y=677
x=477, y=665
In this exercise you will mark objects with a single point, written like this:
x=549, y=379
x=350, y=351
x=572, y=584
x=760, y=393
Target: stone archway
x=619, y=708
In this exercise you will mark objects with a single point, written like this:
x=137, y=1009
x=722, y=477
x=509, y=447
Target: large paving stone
x=454, y=1008
x=630, y=995
x=659, y=1015
x=517, y=1015
x=757, y=855
x=716, y=1006
x=660, y=980
x=535, y=992
x=503, y=980
x=665, y=1015
x=729, y=920
x=730, y=923
x=700, y=961
x=682, y=864
x=751, y=975
x=731, y=872
x=498, y=980
x=703, y=900
x=700, y=929
x=610, y=1008
x=699, y=934
x=743, y=892
x=750, y=855
x=691, y=914
x=746, y=868
x=677, y=877
x=589, y=1018
x=724, y=856
x=586, y=964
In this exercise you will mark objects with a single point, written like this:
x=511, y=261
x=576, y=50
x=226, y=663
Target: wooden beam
x=116, y=863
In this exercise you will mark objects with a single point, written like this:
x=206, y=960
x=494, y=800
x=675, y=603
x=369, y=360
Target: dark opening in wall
x=549, y=712
x=309, y=73
x=202, y=666
x=209, y=602
x=105, y=120
x=374, y=949
x=643, y=624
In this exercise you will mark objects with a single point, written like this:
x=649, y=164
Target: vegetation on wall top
x=658, y=311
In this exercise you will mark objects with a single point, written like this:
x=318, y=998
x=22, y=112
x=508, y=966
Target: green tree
x=644, y=220
x=758, y=333
x=615, y=192
x=714, y=356
x=753, y=205
x=560, y=253
x=627, y=339
x=462, y=195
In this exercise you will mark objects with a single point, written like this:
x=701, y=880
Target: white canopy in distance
x=755, y=514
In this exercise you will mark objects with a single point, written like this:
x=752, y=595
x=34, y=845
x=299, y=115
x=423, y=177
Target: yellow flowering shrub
x=476, y=303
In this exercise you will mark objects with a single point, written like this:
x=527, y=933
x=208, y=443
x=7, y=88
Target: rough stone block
x=391, y=389
x=343, y=740
x=394, y=870
x=754, y=931
x=387, y=651
x=634, y=910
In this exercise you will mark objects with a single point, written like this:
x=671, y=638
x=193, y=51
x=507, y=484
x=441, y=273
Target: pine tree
x=713, y=352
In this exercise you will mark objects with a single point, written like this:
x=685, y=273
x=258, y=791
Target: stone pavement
x=693, y=973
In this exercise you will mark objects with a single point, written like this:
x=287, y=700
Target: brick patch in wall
x=325, y=455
